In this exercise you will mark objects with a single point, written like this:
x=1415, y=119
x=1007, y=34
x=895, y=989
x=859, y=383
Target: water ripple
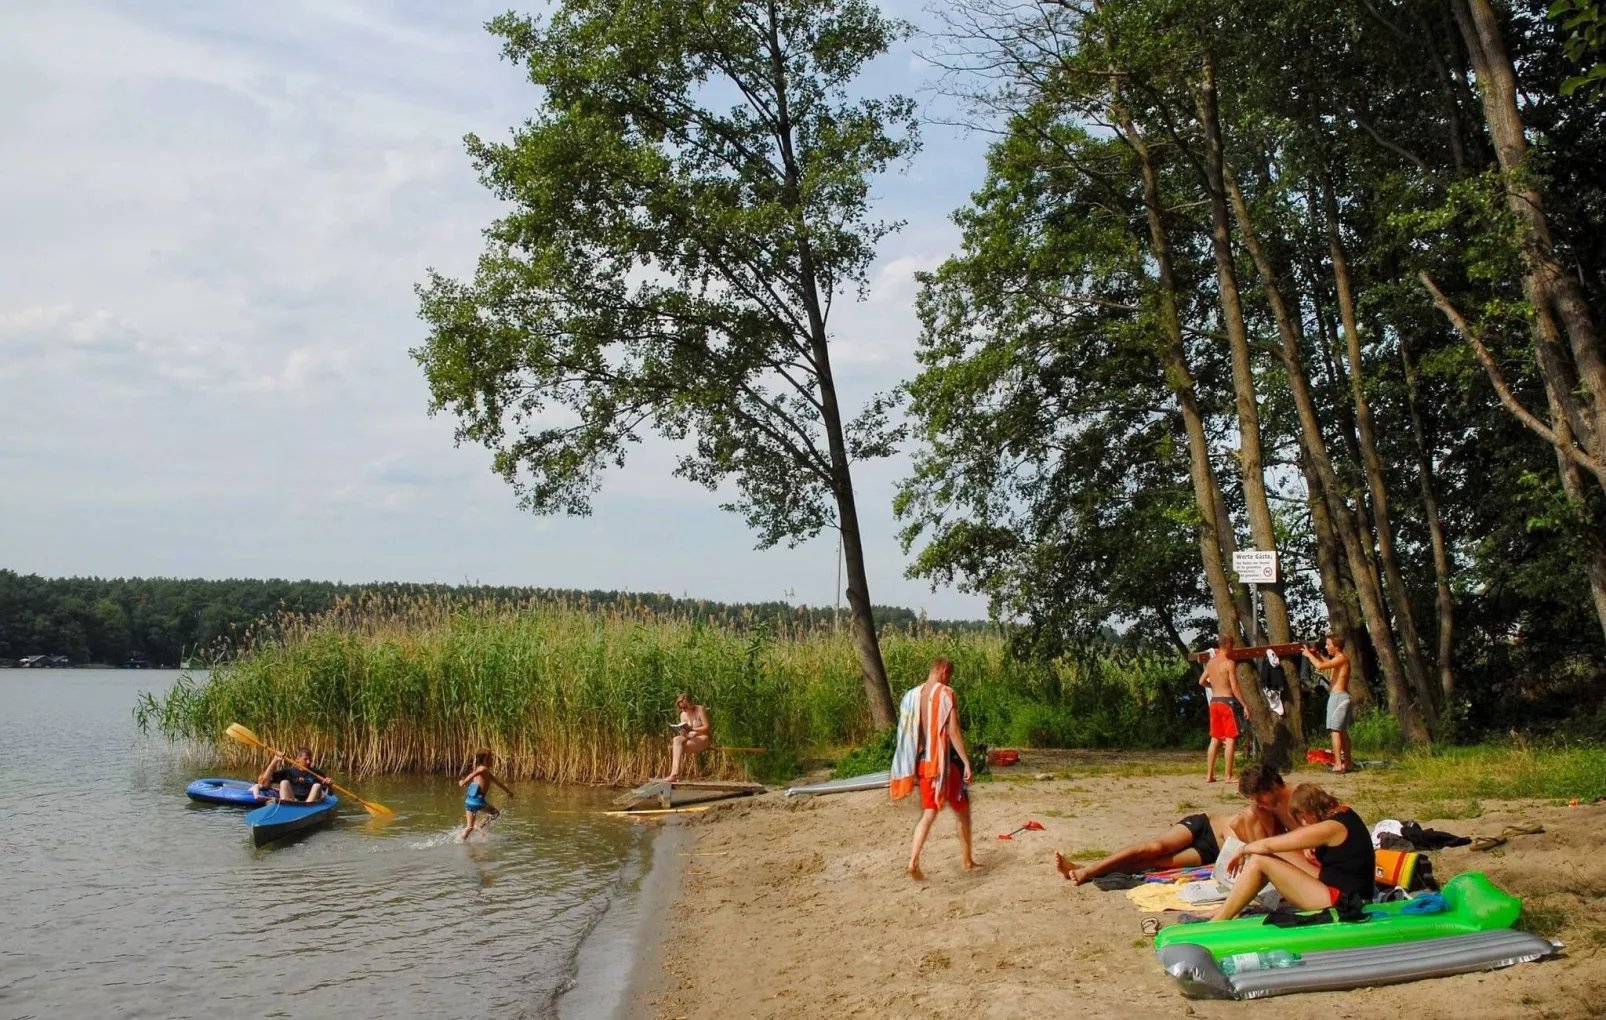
x=105, y=861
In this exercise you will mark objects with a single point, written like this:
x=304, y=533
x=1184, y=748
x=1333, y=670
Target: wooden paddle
x=245, y=736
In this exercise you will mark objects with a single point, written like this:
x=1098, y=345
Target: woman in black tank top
x=1328, y=858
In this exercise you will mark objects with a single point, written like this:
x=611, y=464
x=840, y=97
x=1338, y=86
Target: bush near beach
x=571, y=692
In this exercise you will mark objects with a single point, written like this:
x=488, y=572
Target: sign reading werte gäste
x=1255, y=566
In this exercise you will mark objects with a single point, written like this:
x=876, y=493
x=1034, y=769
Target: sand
x=801, y=908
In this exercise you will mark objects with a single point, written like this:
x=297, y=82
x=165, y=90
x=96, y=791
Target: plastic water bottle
x=1243, y=963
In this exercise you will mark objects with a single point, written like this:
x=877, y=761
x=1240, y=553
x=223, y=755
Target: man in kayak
x=296, y=783
x=694, y=734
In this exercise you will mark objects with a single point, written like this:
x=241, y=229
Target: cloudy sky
x=212, y=216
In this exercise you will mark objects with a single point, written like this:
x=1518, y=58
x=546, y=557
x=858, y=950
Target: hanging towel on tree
x=923, y=717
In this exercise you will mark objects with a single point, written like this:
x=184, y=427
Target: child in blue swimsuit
x=478, y=781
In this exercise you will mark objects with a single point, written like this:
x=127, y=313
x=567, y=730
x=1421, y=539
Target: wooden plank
x=715, y=784
x=679, y=798
x=692, y=809
x=1252, y=652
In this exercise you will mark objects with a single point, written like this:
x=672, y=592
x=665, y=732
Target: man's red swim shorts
x=1223, y=726
x=953, y=791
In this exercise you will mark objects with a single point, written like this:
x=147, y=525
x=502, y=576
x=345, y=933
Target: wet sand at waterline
x=122, y=899
x=800, y=909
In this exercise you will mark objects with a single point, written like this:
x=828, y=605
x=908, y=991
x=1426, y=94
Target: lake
x=124, y=899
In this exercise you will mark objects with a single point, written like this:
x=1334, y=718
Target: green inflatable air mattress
x=1475, y=905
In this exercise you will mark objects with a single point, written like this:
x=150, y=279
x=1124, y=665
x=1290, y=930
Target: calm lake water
x=123, y=899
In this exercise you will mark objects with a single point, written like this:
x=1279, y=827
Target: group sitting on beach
x=1315, y=851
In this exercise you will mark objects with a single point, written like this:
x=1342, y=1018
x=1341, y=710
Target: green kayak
x=1476, y=904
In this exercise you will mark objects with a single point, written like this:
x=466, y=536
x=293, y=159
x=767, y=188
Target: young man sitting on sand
x=1195, y=840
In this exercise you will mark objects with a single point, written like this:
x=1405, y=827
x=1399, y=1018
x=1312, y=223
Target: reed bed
x=567, y=692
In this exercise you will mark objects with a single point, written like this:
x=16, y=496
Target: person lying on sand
x=1195, y=840
x=1327, y=859
x=694, y=734
x=931, y=747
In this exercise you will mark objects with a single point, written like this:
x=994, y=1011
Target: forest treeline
x=1317, y=277
x=167, y=621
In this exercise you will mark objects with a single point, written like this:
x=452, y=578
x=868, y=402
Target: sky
x=212, y=217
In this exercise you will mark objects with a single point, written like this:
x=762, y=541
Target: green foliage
x=165, y=622
x=669, y=263
x=1584, y=21
x=1376, y=732
x=1515, y=770
x=873, y=756
x=572, y=693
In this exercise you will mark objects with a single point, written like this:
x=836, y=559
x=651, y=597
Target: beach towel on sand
x=923, y=715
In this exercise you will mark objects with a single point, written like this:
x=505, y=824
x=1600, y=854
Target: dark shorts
x=1204, y=837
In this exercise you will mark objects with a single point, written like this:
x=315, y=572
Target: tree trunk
x=1556, y=296
x=1336, y=595
x=1372, y=464
x=1179, y=379
x=866, y=642
x=1367, y=589
x=1430, y=510
x=1251, y=461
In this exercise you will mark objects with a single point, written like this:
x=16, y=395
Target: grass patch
x=1505, y=772
x=1448, y=810
x=1090, y=854
x=1187, y=805
x=1544, y=921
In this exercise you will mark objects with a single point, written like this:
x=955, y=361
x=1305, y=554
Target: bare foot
x=971, y=865
x=1210, y=779
x=916, y=874
x=673, y=777
x=1069, y=870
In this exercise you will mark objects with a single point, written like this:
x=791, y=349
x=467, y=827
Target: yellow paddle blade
x=244, y=735
x=377, y=810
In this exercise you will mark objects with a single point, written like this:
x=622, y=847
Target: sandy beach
x=801, y=908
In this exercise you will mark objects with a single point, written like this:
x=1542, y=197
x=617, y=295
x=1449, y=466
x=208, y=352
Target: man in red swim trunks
x=944, y=764
x=1221, y=681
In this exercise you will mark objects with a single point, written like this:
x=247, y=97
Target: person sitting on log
x=693, y=734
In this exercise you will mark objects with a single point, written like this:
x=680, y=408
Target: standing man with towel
x=931, y=751
x=1339, y=707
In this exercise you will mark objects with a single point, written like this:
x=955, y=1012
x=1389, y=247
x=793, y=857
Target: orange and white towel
x=923, y=715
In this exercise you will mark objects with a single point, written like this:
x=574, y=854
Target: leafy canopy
x=687, y=202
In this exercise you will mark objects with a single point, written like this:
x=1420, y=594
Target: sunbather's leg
x=1173, y=849
x=1297, y=886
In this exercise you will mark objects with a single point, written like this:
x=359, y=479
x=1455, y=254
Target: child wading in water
x=478, y=781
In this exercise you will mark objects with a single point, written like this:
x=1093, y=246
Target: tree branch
x=1503, y=391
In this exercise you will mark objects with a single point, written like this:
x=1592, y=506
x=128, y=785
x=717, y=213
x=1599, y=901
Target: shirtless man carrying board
x=1221, y=677
x=1339, y=707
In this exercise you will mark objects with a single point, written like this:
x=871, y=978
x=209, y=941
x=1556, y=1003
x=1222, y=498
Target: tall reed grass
x=568, y=692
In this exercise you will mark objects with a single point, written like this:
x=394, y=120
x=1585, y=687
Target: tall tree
x=671, y=264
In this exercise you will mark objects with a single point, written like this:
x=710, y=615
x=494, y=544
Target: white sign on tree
x=1255, y=566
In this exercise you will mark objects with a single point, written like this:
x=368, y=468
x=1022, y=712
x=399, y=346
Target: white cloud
x=212, y=217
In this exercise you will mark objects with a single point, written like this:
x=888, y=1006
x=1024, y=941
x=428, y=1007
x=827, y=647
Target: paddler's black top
x=1349, y=867
x=301, y=780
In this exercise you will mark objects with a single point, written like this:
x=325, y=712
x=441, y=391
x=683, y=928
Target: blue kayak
x=232, y=792
x=277, y=820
